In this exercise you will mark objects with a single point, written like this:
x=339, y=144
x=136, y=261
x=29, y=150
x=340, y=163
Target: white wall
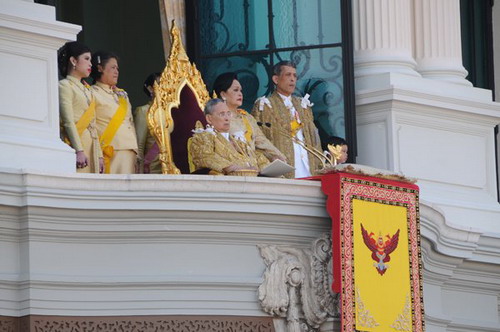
x=29, y=118
x=496, y=64
x=146, y=244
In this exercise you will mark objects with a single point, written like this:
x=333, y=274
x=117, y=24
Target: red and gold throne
x=180, y=97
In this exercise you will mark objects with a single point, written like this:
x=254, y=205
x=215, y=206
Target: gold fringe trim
x=351, y=170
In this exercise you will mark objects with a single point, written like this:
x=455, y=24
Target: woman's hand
x=81, y=159
x=101, y=165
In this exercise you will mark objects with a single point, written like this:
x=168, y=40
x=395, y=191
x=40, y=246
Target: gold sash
x=86, y=118
x=82, y=123
x=248, y=127
x=110, y=132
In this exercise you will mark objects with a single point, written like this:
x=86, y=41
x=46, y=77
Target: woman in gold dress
x=77, y=107
x=148, y=161
x=243, y=125
x=115, y=124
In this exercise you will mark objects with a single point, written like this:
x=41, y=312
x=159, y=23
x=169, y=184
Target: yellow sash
x=82, y=123
x=110, y=132
x=248, y=127
x=86, y=118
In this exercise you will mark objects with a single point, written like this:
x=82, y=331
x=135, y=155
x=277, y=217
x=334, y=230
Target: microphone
x=262, y=124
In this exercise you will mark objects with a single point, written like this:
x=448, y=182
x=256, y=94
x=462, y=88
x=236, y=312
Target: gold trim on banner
x=178, y=73
x=363, y=316
x=357, y=171
x=403, y=322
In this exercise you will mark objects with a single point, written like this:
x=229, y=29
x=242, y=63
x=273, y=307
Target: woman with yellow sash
x=77, y=107
x=115, y=124
x=243, y=125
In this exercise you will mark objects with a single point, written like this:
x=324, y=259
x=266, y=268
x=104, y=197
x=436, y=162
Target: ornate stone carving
x=9, y=324
x=297, y=284
x=134, y=324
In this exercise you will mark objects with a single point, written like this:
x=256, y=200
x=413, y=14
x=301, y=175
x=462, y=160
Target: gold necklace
x=112, y=93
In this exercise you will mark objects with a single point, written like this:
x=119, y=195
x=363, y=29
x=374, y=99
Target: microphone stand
x=327, y=159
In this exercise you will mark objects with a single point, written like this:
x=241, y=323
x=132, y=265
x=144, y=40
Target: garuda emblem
x=380, y=249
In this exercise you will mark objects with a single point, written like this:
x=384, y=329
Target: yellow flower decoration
x=295, y=126
x=335, y=151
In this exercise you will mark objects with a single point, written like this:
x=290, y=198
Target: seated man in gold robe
x=214, y=148
x=287, y=121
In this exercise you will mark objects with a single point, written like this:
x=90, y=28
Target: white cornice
x=18, y=17
x=407, y=90
x=150, y=192
x=464, y=255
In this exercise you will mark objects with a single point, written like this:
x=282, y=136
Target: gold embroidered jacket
x=279, y=118
x=240, y=122
x=210, y=149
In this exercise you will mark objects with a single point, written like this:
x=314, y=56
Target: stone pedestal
x=29, y=107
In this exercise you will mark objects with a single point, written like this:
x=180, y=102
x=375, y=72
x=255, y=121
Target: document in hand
x=276, y=168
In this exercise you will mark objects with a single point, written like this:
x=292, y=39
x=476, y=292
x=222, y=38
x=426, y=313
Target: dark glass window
x=477, y=41
x=477, y=51
x=249, y=36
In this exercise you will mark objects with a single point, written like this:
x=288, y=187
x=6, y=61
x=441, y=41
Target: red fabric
x=331, y=186
x=185, y=118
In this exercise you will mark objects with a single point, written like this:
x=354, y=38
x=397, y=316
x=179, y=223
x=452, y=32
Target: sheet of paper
x=276, y=168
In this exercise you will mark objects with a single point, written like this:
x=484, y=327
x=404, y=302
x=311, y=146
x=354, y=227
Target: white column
x=172, y=10
x=382, y=37
x=438, y=46
x=29, y=107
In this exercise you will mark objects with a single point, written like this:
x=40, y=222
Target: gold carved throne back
x=180, y=96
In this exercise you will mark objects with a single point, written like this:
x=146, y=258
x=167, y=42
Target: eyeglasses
x=222, y=115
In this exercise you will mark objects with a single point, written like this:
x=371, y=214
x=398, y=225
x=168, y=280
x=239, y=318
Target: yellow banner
x=381, y=267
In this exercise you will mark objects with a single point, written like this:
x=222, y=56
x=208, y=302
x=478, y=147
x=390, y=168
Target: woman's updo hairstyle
x=223, y=82
x=150, y=82
x=68, y=50
x=100, y=58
